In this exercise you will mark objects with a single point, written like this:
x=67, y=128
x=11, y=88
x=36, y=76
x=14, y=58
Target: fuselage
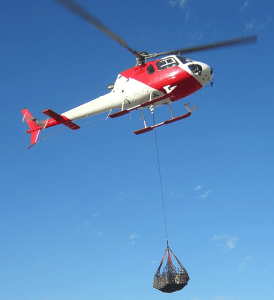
x=173, y=76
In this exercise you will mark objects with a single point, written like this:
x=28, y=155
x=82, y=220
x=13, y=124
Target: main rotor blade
x=88, y=17
x=227, y=43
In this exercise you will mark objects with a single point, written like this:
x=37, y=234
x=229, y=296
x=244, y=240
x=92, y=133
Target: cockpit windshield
x=184, y=60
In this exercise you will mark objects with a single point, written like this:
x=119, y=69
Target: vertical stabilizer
x=34, y=127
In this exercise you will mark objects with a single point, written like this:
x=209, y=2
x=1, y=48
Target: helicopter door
x=167, y=70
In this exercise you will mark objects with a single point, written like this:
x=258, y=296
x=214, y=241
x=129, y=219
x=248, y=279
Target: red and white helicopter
x=148, y=84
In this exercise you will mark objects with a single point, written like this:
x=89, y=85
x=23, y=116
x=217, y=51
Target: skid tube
x=149, y=128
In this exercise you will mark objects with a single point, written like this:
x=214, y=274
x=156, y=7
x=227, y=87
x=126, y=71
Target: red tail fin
x=34, y=127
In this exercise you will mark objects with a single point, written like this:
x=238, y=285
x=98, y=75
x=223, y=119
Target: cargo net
x=172, y=278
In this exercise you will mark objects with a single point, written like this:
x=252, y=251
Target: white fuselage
x=126, y=93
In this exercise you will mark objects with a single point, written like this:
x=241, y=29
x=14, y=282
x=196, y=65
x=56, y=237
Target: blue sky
x=81, y=213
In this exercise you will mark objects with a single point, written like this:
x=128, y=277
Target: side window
x=195, y=69
x=166, y=63
x=150, y=69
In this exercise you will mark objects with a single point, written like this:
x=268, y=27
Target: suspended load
x=172, y=278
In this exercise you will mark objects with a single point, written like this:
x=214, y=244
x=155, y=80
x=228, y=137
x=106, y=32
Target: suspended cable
x=160, y=177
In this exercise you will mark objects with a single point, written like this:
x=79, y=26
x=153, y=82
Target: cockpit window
x=183, y=59
x=196, y=69
x=166, y=63
x=150, y=69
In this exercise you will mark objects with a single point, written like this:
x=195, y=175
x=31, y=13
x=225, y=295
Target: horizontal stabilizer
x=72, y=125
x=53, y=115
x=60, y=119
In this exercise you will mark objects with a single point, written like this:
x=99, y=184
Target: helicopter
x=150, y=83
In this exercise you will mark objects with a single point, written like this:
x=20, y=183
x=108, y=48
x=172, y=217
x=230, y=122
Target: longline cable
x=160, y=177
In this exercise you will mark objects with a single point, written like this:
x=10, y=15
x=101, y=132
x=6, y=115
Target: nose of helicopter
x=206, y=74
x=202, y=72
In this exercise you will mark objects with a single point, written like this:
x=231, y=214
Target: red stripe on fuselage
x=185, y=83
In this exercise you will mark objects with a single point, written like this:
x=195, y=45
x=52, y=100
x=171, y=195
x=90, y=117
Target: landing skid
x=149, y=128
